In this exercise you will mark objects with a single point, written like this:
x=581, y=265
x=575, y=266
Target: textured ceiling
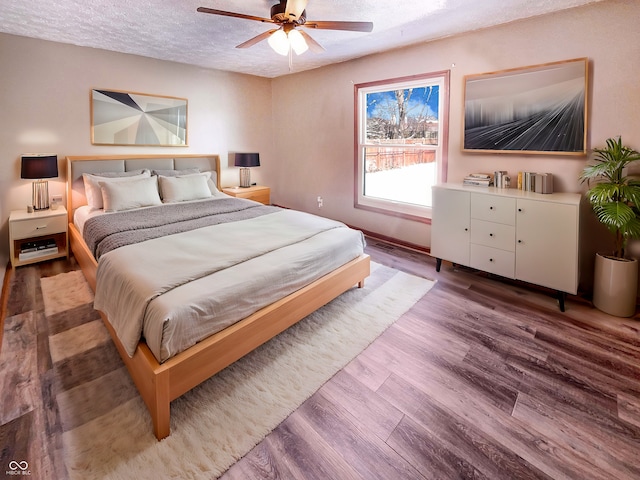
x=173, y=30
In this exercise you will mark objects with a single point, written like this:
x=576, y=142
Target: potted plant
x=615, y=198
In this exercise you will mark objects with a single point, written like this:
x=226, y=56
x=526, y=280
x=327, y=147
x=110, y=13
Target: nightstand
x=258, y=193
x=38, y=236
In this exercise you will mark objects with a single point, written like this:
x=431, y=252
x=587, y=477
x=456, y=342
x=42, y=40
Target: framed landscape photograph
x=540, y=109
x=124, y=118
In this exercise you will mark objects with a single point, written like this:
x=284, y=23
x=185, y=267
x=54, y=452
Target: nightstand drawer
x=37, y=227
x=261, y=196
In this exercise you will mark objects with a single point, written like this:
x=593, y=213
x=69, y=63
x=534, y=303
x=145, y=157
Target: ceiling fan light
x=298, y=43
x=279, y=42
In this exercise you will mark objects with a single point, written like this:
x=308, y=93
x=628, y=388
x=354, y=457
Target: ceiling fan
x=288, y=15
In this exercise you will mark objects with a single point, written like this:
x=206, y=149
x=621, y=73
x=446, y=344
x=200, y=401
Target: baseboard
x=394, y=241
x=4, y=299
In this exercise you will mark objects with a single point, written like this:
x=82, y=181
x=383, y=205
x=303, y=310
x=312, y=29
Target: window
x=402, y=129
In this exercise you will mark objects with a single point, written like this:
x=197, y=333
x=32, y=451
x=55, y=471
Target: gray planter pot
x=615, y=285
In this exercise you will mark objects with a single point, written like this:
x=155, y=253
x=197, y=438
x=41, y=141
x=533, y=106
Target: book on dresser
x=478, y=179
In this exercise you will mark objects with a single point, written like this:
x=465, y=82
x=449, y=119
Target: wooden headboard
x=77, y=165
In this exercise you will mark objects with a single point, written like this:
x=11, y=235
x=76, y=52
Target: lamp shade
x=279, y=41
x=36, y=166
x=297, y=42
x=247, y=160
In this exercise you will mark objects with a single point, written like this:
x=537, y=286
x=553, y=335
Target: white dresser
x=522, y=235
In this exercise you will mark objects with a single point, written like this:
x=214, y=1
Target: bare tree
x=398, y=118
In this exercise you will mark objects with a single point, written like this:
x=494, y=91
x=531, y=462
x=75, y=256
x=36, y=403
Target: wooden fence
x=386, y=159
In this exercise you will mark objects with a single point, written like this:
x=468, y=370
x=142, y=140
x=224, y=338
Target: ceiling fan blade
x=350, y=26
x=256, y=39
x=294, y=9
x=233, y=14
x=314, y=46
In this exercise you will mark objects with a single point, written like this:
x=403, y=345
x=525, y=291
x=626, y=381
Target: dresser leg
x=561, y=298
x=438, y=264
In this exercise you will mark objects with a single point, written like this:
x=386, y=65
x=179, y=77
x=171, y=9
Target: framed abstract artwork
x=124, y=118
x=540, y=109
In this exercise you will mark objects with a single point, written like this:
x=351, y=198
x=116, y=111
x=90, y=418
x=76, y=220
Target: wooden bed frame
x=157, y=383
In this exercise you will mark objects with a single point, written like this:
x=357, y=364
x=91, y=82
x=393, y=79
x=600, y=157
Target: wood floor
x=481, y=379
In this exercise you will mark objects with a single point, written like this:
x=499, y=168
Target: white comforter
x=179, y=289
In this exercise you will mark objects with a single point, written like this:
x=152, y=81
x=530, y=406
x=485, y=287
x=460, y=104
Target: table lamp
x=38, y=167
x=246, y=160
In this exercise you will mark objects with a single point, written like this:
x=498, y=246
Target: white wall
x=314, y=110
x=44, y=105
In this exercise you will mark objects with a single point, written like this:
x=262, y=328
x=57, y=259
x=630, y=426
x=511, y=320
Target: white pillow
x=212, y=184
x=175, y=173
x=184, y=188
x=137, y=193
x=191, y=171
x=92, y=186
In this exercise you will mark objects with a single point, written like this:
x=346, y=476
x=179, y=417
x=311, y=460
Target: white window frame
x=389, y=207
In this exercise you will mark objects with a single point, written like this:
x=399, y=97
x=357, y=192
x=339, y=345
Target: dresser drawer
x=37, y=227
x=493, y=208
x=493, y=260
x=492, y=234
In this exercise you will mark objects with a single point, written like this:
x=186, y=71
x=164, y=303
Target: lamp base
x=245, y=177
x=40, y=194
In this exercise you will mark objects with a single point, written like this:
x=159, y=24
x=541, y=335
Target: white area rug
x=107, y=428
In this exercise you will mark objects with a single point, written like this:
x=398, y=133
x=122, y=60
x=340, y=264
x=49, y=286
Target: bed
x=167, y=348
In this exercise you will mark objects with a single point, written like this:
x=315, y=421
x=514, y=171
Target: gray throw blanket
x=107, y=232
